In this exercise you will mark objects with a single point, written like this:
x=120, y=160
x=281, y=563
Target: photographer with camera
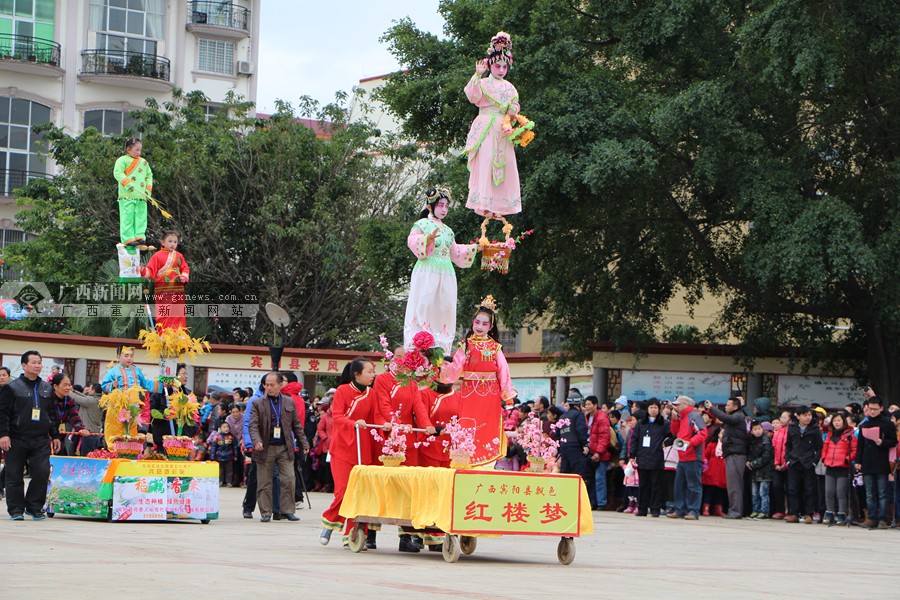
x=734, y=450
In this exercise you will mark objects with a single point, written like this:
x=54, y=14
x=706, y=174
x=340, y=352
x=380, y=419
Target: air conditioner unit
x=244, y=67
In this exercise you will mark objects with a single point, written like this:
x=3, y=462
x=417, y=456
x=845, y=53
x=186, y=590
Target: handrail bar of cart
x=357, y=427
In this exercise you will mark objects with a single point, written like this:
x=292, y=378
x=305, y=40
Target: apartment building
x=88, y=63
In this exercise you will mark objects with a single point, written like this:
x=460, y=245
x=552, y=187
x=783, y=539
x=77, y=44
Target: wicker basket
x=392, y=461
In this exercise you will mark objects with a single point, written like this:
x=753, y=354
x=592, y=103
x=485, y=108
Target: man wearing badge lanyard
x=28, y=426
x=274, y=424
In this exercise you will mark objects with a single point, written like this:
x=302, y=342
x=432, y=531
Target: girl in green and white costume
x=432, y=290
x=135, y=188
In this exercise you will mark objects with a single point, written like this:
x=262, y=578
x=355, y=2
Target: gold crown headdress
x=488, y=303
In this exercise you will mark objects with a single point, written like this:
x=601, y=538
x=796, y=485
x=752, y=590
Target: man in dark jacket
x=802, y=451
x=877, y=436
x=29, y=428
x=734, y=449
x=573, y=438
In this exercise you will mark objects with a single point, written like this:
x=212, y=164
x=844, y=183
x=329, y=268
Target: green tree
x=744, y=149
x=264, y=207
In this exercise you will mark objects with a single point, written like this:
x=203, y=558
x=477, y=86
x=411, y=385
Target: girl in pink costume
x=493, y=176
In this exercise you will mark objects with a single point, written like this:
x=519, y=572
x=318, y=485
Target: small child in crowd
x=222, y=450
x=761, y=463
x=200, y=450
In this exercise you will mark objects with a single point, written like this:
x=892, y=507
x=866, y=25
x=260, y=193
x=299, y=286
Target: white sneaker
x=325, y=536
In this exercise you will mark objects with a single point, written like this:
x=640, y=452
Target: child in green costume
x=135, y=188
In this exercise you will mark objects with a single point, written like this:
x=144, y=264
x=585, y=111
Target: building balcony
x=11, y=179
x=24, y=54
x=128, y=69
x=219, y=19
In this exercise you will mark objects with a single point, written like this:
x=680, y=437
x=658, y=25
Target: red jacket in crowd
x=689, y=426
x=779, y=441
x=715, y=467
x=599, y=436
x=839, y=453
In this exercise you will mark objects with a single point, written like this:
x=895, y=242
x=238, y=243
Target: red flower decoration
x=423, y=340
x=413, y=360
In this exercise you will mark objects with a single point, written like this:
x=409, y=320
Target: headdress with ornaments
x=432, y=195
x=488, y=303
x=500, y=49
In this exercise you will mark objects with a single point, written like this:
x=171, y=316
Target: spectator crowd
x=686, y=460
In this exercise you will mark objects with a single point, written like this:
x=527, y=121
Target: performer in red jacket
x=354, y=403
x=442, y=405
x=405, y=400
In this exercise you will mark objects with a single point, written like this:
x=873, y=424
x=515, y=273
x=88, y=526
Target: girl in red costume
x=486, y=384
x=170, y=272
x=354, y=403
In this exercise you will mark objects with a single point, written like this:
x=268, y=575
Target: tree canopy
x=265, y=207
x=744, y=149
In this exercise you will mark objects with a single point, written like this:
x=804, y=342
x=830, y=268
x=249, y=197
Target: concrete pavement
x=628, y=556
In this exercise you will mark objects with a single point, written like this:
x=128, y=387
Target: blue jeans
x=600, y=482
x=877, y=496
x=760, y=495
x=688, y=490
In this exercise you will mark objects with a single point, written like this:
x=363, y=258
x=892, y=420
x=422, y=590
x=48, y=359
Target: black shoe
x=290, y=517
x=654, y=514
x=436, y=547
x=370, y=540
x=417, y=542
x=276, y=516
x=248, y=515
x=265, y=519
x=407, y=546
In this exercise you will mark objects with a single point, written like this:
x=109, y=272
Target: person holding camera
x=690, y=433
x=734, y=450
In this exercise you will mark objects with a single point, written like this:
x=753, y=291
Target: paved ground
x=629, y=557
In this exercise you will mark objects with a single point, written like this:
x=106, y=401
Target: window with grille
x=510, y=340
x=216, y=57
x=7, y=237
x=109, y=122
x=20, y=153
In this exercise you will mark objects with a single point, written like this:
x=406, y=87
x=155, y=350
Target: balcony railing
x=121, y=62
x=11, y=179
x=219, y=14
x=36, y=50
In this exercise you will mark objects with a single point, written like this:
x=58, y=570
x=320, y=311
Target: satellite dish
x=278, y=315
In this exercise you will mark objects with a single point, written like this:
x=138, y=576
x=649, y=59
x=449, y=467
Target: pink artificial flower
x=123, y=416
x=423, y=340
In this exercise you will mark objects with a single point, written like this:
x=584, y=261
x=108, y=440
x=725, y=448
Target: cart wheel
x=451, y=548
x=357, y=539
x=467, y=544
x=565, y=552
x=204, y=521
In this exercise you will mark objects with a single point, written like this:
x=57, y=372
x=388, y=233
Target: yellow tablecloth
x=421, y=495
